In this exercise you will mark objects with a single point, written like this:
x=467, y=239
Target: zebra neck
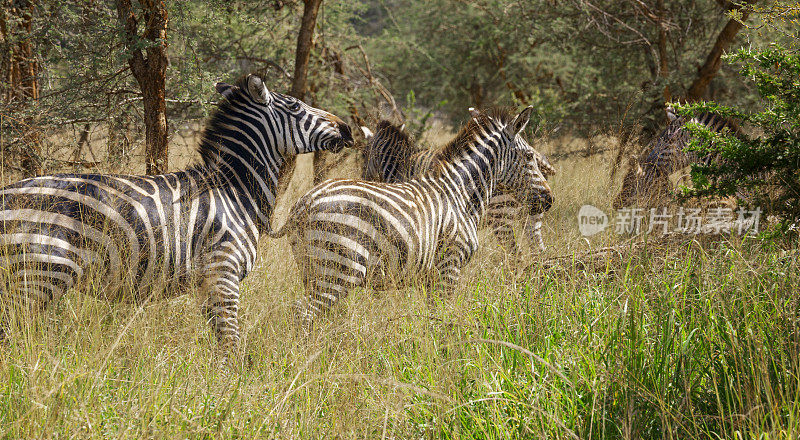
x=250, y=182
x=469, y=181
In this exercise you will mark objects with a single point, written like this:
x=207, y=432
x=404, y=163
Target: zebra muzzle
x=542, y=203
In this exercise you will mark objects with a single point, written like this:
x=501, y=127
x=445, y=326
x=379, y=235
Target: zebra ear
x=520, y=121
x=257, y=90
x=474, y=112
x=224, y=89
x=368, y=134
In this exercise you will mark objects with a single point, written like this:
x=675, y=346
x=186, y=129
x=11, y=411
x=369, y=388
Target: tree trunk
x=150, y=72
x=303, y=52
x=20, y=81
x=301, y=56
x=714, y=60
x=663, y=66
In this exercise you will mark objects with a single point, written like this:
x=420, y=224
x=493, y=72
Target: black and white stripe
x=124, y=237
x=647, y=179
x=391, y=157
x=348, y=233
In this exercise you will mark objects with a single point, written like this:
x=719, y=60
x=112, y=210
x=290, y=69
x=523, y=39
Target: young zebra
x=148, y=233
x=647, y=178
x=345, y=233
x=390, y=156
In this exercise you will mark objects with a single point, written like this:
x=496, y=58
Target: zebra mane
x=386, y=128
x=219, y=117
x=714, y=121
x=468, y=131
x=388, y=154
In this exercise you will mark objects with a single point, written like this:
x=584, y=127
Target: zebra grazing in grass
x=347, y=233
x=647, y=178
x=123, y=236
x=391, y=157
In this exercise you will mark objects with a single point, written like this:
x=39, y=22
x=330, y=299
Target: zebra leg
x=220, y=289
x=328, y=273
x=25, y=298
x=533, y=230
x=322, y=295
x=448, y=271
x=445, y=278
x=448, y=277
x=33, y=275
x=503, y=230
x=501, y=213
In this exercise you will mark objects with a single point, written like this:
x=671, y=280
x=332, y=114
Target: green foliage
x=764, y=166
x=86, y=84
x=687, y=349
x=588, y=64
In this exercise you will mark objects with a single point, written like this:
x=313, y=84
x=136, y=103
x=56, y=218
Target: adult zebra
x=647, y=178
x=163, y=232
x=390, y=156
x=346, y=233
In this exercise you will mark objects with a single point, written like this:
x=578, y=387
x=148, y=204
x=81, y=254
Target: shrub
x=762, y=168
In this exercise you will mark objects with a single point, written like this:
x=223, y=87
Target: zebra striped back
x=390, y=157
x=647, y=178
x=346, y=233
x=149, y=233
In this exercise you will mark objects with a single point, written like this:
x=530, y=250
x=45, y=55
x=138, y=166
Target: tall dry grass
x=691, y=339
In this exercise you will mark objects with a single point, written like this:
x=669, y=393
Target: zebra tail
x=285, y=229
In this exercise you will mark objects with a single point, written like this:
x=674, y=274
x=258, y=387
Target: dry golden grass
x=695, y=344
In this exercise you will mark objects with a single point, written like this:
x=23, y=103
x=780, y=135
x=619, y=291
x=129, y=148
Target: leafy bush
x=763, y=168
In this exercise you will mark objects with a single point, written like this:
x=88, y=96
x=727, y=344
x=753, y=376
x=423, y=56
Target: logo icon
x=591, y=220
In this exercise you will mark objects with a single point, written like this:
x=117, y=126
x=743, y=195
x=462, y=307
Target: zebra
x=347, y=233
x=390, y=156
x=648, y=175
x=198, y=226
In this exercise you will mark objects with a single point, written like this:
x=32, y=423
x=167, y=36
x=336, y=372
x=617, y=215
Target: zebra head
x=647, y=179
x=287, y=124
x=537, y=168
x=519, y=168
x=387, y=153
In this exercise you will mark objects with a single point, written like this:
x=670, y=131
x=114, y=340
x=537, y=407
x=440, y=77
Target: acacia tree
x=586, y=62
x=714, y=59
x=148, y=62
x=760, y=167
